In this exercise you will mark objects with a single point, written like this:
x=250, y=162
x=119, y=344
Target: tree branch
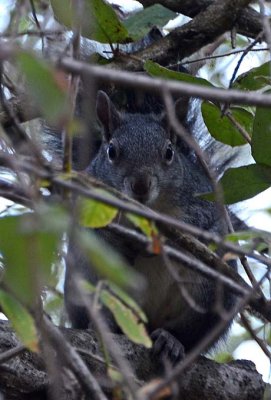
x=218, y=18
x=248, y=23
x=154, y=85
x=25, y=378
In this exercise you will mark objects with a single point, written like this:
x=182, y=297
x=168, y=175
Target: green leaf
x=142, y=223
x=21, y=320
x=126, y=319
x=243, y=235
x=16, y=255
x=157, y=70
x=126, y=314
x=139, y=25
x=221, y=128
x=94, y=214
x=115, y=375
x=261, y=138
x=53, y=304
x=243, y=183
x=108, y=263
x=126, y=299
x=252, y=240
x=255, y=79
x=29, y=245
x=98, y=21
x=46, y=87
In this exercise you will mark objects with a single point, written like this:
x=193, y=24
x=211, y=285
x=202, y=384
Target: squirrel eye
x=111, y=152
x=169, y=153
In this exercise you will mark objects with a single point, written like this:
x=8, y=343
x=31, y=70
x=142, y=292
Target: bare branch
x=128, y=79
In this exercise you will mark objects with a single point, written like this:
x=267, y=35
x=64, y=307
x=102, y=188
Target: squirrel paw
x=165, y=345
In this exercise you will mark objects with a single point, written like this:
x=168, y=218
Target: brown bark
x=205, y=28
x=248, y=23
x=24, y=376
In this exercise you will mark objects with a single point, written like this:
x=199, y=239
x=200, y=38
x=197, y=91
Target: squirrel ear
x=165, y=123
x=107, y=114
x=181, y=109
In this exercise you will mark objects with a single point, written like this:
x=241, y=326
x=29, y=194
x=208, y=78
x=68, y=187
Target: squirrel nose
x=140, y=185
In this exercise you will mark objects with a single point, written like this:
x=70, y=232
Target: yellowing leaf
x=142, y=223
x=94, y=214
x=115, y=375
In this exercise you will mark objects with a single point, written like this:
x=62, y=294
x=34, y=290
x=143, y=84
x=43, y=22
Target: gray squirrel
x=141, y=158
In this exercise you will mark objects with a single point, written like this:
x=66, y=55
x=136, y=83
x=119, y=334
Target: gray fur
x=141, y=170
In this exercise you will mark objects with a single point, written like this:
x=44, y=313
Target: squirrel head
x=137, y=155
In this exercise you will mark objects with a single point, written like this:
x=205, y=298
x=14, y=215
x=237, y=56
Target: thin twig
x=138, y=209
x=128, y=79
x=250, y=275
x=213, y=57
x=260, y=342
x=181, y=132
x=11, y=353
x=32, y=32
x=112, y=347
x=266, y=26
x=73, y=90
x=203, y=344
x=33, y=9
x=69, y=355
x=235, y=283
x=246, y=51
x=238, y=126
x=182, y=283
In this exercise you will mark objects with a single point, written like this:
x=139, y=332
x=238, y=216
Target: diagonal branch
x=218, y=18
x=248, y=23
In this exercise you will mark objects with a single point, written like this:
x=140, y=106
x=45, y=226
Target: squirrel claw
x=165, y=345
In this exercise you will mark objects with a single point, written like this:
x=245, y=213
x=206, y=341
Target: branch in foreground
x=191, y=244
x=128, y=79
x=24, y=376
x=145, y=83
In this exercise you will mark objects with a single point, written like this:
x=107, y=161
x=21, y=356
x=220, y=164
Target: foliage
x=127, y=314
x=138, y=25
x=239, y=183
x=97, y=19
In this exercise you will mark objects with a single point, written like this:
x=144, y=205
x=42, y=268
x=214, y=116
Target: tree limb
x=24, y=376
x=249, y=23
x=218, y=18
